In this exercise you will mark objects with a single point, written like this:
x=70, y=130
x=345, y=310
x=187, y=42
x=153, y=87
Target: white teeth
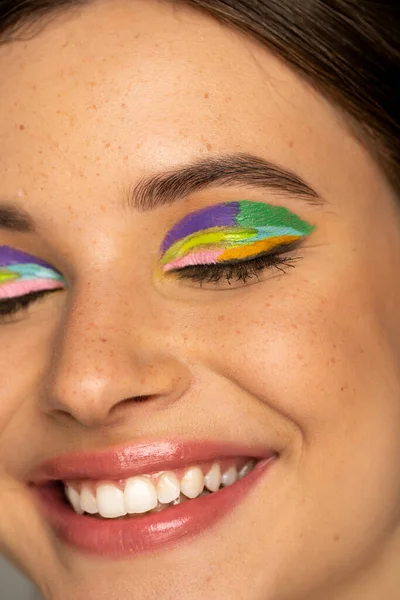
x=213, y=478
x=88, y=501
x=229, y=477
x=140, y=495
x=75, y=499
x=192, y=483
x=248, y=467
x=168, y=488
x=110, y=501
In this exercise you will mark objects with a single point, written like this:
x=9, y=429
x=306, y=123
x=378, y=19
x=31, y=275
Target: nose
x=110, y=352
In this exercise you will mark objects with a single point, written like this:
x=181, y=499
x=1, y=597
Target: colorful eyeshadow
x=230, y=232
x=22, y=274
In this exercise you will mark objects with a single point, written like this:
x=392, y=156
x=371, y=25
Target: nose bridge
x=108, y=351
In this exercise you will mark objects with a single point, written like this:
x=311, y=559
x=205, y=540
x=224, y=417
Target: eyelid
x=244, y=214
x=236, y=254
x=21, y=279
x=233, y=231
x=209, y=237
x=16, y=289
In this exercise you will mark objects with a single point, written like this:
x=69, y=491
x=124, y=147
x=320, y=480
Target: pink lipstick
x=163, y=526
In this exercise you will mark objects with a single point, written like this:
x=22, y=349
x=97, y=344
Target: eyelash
x=12, y=306
x=239, y=271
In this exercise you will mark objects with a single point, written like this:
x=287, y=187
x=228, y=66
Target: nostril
x=142, y=398
x=118, y=411
x=136, y=399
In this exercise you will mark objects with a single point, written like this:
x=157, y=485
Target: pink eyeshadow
x=205, y=257
x=21, y=288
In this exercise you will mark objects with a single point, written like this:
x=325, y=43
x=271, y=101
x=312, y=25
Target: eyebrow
x=161, y=189
x=237, y=170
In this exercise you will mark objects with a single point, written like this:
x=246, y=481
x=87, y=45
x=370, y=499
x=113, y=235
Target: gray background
x=14, y=586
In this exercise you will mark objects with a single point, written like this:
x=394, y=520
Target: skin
x=306, y=362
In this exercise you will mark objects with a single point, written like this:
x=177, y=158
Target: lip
x=140, y=458
x=151, y=532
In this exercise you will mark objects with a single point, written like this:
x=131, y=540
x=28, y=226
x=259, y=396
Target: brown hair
x=349, y=50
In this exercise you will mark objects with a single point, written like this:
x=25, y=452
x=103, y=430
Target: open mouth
x=129, y=502
x=154, y=492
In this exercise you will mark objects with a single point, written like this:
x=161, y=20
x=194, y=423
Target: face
x=208, y=286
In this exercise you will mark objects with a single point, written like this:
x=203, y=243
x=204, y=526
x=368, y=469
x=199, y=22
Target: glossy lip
x=140, y=458
x=153, y=532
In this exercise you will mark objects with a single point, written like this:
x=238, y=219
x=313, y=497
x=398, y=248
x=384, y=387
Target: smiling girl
x=199, y=298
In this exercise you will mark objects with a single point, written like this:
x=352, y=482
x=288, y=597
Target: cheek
x=307, y=357
x=26, y=350
x=316, y=366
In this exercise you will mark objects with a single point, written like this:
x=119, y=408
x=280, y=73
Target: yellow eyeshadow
x=7, y=276
x=212, y=237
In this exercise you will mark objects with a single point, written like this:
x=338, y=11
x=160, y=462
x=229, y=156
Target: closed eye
x=240, y=272
x=9, y=307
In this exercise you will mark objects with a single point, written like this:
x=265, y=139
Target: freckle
x=336, y=538
x=22, y=127
x=291, y=144
x=123, y=105
x=343, y=388
x=103, y=340
x=333, y=360
x=206, y=95
x=94, y=106
x=107, y=145
x=221, y=318
x=126, y=157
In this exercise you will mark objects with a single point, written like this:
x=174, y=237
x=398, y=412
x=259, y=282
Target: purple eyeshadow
x=11, y=256
x=222, y=215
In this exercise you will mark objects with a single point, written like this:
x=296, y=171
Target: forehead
x=139, y=86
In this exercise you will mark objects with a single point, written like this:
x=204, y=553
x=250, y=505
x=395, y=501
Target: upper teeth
x=143, y=493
